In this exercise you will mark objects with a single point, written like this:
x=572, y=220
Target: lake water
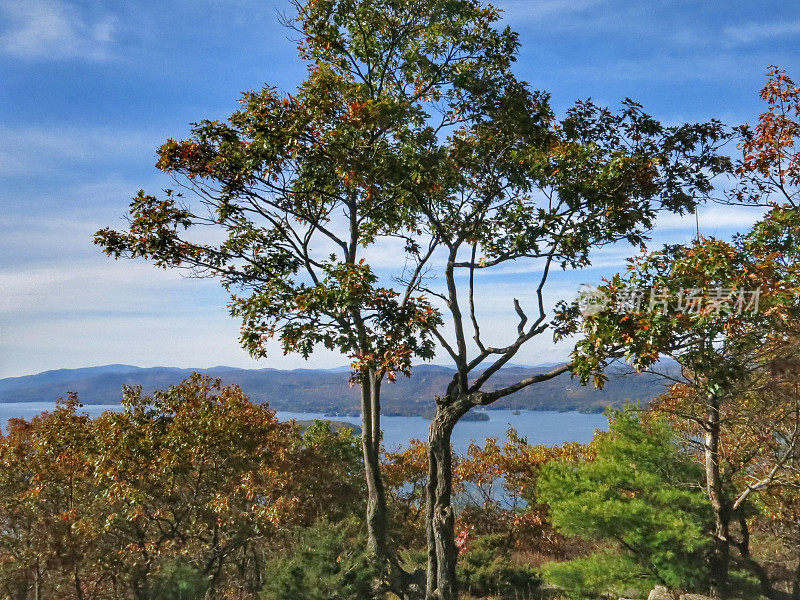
x=540, y=427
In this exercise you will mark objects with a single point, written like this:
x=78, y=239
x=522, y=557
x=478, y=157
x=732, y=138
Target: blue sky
x=89, y=90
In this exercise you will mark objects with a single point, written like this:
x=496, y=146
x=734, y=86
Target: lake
x=540, y=427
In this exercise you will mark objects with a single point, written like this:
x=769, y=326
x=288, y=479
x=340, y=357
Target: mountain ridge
x=328, y=390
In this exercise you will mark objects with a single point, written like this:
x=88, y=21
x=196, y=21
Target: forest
x=412, y=136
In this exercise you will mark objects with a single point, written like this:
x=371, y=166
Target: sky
x=90, y=89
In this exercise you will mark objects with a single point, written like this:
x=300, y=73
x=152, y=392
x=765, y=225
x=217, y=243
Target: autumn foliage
x=195, y=476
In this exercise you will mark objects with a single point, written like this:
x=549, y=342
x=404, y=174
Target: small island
x=480, y=415
x=335, y=425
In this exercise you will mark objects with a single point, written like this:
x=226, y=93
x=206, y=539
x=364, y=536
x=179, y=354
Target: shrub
x=642, y=497
x=488, y=568
x=327, y=561
x=601, y=572
x=179, y=581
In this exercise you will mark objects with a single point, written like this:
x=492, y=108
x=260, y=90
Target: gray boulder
x=695, y=597
x=661, y=593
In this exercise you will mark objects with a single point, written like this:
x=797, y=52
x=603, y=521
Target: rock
x=694, y=597
x=660, y=593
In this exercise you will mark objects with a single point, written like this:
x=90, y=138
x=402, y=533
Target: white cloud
x=748, y=33
x=31, y=149
x=56, y=227
x=93, y=285
x=714, y=219
x=54, y=30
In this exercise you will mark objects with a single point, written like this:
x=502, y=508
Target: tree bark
x=78, y=585
x=37, y=583
x=392, y=576
x=377, y=520
x=796, y=582
x=439, y=517
x=720, y=555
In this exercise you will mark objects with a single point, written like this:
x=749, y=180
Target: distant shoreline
x=539, y=427
x=481, y=415
x=330, y=392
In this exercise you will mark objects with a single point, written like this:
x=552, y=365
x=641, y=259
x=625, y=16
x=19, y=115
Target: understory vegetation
x=196, y=493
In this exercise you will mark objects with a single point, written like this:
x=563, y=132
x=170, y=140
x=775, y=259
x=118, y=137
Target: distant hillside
x=317, y=390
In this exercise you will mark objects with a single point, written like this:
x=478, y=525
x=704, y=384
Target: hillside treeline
x=196, y=492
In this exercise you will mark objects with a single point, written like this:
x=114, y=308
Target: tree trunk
x=377, y=521
x=755, y=567
x=439, y=517
x=720, y=556
x=37, y=583
x=796, y=582
x=392, y=576
x=78, y=585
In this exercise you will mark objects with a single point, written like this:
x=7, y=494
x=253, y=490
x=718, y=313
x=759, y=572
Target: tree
x=196, y=470
x=781, y=515
x=406, y=473
x=48, y=497
x=188, y=489
x=410, y=126
x=300, y=185
x=642, y=494
x=487, y=568
x=769, y=175
x=716, y=344
x=720, y=309
x=500, y=487
x=529, y=188
x=769, y=168
x=759, y=440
